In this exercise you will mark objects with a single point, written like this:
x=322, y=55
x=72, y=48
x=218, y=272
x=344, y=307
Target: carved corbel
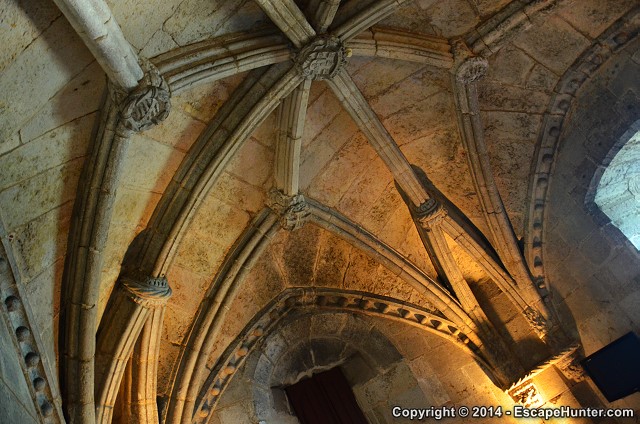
x=145, y=106
x=133, y=301
x=293, y=210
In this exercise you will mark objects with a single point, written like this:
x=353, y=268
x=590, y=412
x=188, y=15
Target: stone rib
x=291, y=21
x=291, y=118
x=354, y=102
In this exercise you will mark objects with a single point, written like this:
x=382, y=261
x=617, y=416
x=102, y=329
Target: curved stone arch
x=561, y=106
x=324, y=299
x=278, y=363
x=194, y=355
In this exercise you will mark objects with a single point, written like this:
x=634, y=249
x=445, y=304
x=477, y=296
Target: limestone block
x=320, y=112
x=139, y=21
x=550, y=383
x=630, y=306
x=47, y=64
x=179, y=131
x=541, y=78
x=261, y=285
x=252, y=164
x=426, y=117
x=233, y=190
x=447, y=19
x=75, y=102
x=211, y=16
x=345, y=167
x=497, y=96
x=153, y=175
x=332, y=261
x=55, y=148
x=506, y=126
x=380, y=75
x=218, y=222
x=509, y=65
x=43, y=295
x=203, y=101
x=365, y=190
x=299, y=257
x=248, y=16
x=553, y=43
x=403, y=93
x=41, y=242
x=428, y=381
x=592, y=17
x=160, y=42
x=236, y=413
x=199, y=255
x=23, y=22
x=184, y=283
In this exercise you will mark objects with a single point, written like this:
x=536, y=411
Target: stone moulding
x=28, y=347
x=321, y=299
x=132, y=304
x=189, y=374
x=122, y=114
x=622, y=32
x=491, y=36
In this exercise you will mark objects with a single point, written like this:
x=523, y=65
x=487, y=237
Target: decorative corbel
x=293, y=210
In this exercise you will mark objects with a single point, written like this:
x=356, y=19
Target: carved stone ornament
x=147, y=105
x=472, y=69
x=526, y=394
x=321, y=59
x=536, y=320
x=293, y=210
x=430, y=212
x=149, y=292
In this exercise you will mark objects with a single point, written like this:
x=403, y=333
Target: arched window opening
x=618, y=191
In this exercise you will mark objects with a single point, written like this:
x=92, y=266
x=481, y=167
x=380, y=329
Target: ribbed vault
x=388, y=158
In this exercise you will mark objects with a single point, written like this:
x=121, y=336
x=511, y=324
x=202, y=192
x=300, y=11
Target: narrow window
x=618, y=191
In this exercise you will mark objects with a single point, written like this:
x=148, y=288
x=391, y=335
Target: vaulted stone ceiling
x=334, y=101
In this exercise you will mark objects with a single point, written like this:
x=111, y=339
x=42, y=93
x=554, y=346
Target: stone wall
x=593, y=269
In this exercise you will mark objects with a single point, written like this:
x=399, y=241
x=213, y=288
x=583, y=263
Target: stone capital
x=149, y=292
x=468, y=68
x=293, y=210
x=429, y=213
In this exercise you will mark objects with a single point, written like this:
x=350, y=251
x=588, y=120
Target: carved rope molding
x=28, y=346
x=122, y=115
x=622, y=32
x=323, y=299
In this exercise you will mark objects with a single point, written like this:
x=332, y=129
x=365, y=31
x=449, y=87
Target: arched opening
x=618, y=189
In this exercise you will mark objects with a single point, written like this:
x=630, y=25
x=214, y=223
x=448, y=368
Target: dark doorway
x=325, y=398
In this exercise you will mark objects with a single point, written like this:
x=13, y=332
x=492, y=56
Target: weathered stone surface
x=553, y=43
x=31, y=80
